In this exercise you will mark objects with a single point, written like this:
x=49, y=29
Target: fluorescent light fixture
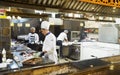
x=27, y=25
x=9, y=17
x=53, y=15
x=12, y=24
x=114, y=7
x=56, y=21
x=18, y=17
x=77, y=15
x=81, y=24
x=13, y=17
x=100, y=18
x=37, y=11
x=70, y=15
x=19, y=24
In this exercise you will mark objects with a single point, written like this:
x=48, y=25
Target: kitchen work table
x=23, y=58
x=103, y=66
x=96, y=66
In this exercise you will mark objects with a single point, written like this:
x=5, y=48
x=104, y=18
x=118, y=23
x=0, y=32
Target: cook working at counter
x=83, y=34
x=49, y=44
x=60, y=39
x=32, y=38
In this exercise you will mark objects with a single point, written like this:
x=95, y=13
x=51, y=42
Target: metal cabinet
x=74, y=52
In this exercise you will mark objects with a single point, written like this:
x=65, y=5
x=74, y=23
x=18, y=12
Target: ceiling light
x=19, y=24
x=12, y=24
x=110, y=18
x=70, y=15
x=113, y=10
x=81, y=24
x=9, y=17
x=40, y=19
x=18, y=17
x=13, y=17
x=37, y=11
x=53, y=15
x=93, y=8
x=77, y=15
x=27, y=25
x=114, y=7
x=100, y=18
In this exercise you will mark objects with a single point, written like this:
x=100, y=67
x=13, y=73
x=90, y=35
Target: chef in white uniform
x=49, y=44
x=32, y=38
x=60, y=39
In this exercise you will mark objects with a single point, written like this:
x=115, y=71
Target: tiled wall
x=5, y=34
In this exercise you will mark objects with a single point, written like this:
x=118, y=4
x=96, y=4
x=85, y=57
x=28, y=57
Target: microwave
x=75, y=35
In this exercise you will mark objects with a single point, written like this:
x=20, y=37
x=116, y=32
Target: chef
x=60, y=39
x=32, y=38
x=49, y=44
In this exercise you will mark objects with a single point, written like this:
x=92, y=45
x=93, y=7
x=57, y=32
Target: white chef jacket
x=49, y=45
x=62, y=36
x=33, y=38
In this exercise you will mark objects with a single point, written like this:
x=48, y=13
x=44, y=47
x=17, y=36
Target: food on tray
x=33, y=61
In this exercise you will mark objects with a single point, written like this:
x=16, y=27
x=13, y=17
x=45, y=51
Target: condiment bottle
x=3, y=55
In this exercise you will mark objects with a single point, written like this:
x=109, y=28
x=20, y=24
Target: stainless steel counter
x=18, y=59
x=93, y=67
x=72, y=50
x=45, y=62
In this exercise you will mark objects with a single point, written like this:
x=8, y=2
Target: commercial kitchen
x=97, y=54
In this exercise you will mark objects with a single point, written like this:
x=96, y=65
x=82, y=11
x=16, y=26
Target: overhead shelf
x=26, y=15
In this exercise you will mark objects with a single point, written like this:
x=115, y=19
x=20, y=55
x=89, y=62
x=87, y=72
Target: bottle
x=3, y=55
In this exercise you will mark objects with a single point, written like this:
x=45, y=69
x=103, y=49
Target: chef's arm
x=66, y=40
x=26, y=40
x=43, y=52
x=48, y=52
x=27, y=37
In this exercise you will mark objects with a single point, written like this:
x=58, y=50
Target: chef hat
x=66, y=31
x=32, y=28
x=45, y=25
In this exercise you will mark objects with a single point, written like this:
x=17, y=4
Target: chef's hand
x=42, y=54
x=26, y=41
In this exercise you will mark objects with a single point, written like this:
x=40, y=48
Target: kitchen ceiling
x=70, y=6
